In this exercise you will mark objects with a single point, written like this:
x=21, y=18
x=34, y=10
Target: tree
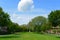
x=37, y=23
x=46, y=27
x=4, y=21
x=54, y=18
x=24, y=28
x=1, y=9
x=13, y=27
x=4, y=18
x=7, y=24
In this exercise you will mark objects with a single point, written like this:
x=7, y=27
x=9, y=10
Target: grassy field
x=29, y=36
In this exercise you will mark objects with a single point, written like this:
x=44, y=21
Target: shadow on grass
x=9, y=36
x=58, y=37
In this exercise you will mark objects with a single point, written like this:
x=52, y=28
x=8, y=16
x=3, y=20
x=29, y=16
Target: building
x=54, y=30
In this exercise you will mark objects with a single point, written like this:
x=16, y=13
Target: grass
x=29, y=36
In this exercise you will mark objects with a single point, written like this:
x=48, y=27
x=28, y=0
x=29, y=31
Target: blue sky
x=22, y=11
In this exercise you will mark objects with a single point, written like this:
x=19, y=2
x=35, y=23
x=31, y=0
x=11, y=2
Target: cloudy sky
x=22, y=11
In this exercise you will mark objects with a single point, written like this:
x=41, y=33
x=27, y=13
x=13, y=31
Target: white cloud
x=25, y=5
x=20, y=18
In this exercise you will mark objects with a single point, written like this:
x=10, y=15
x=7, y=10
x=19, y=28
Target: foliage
x=13, y=27
x=24, y=28
x=54, y=18
x=7, y=24
x=37, y=23
x=4, y=18
x=46, y=27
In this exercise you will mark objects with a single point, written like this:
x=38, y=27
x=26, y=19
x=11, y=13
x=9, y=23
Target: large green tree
x=4, y=18
x=4, y=21
x=54, y=18
x=36, y=23
x=7, y=24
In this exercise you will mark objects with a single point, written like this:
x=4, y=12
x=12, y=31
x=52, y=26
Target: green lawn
x=29, y=36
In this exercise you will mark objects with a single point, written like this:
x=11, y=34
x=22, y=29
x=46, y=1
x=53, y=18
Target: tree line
x=37, y=24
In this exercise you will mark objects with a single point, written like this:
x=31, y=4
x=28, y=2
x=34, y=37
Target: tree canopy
x=7, y=24
x=37, y=22
x=4, y=18
x=54, y=18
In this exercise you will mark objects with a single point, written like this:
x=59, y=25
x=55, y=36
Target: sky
x=22, y=11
